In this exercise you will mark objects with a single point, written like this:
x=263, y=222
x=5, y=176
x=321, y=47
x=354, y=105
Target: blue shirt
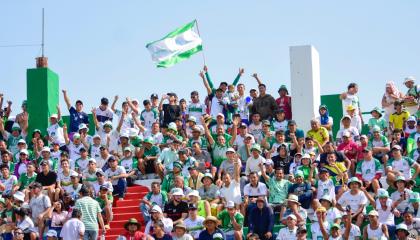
x=76, y=118
x=204, y=235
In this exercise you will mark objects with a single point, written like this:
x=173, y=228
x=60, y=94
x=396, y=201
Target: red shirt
x=349, y=149
x=138, y=235
x=285, y=103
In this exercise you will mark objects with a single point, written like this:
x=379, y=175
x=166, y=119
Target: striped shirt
x=90, y=209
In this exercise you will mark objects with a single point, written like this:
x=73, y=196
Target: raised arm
x=114, y=102
x=241, y=71
x=234, y=131
x=2, y=131
x=206, y=84
x=133, y=108
x=66, y=99
x=120, y=123
x=95, y=121
x=257, y=78
x=137, y=122
x=9, y=108
x=237, y=169
x=207, y=132
x=210, y=82
x=164, y=96
x=1, y=100
x=58, y=112
x=66, y=135
x=263, y=173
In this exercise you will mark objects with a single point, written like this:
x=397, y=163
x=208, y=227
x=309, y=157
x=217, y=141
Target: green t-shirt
x=306, y=170
x=153, y=151
x=381, y=123
x=278, y=190
x=102, y=202
x=24, y=180
x=218, y=153
x=226, y=223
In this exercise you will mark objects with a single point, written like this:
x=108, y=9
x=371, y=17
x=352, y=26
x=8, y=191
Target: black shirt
x=283, y=163
x=170, y=113
x=46, y=180
x=340, y=157
x=175, y=212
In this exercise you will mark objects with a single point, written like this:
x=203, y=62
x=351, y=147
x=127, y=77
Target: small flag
x=175, y=47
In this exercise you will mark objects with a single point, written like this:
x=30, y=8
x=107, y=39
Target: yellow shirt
x=399, y=119
x=321, y=135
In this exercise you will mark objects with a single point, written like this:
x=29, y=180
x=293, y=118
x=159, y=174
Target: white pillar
x=305, y=84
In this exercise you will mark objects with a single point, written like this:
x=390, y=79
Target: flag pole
x=198, y=31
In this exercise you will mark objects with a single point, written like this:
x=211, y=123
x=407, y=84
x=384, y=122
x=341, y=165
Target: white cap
x=132, y=132
x=54, y=115
x=412, y=119
x=25, y=151
x=230, y=204
x=194, y=193
x=51, y=233
x=292, y=216
x=230, y=150
x=20, y=196
x=409, y=78
x=306, y=155
x=83, y=126
x=177, y=192
x=74, y=174
x=346, y=134
x=156, y=208
x=22, y=141
x=92, y=160
x=45, y=149
x=124, y=135
x=96, y=136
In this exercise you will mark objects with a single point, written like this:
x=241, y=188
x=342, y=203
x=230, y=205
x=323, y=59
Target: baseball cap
x=192, y=206
x=269, y=162
x=154, y=96
x=230, y=150
x=230, y=204
x=291, y=122
x=104, y=101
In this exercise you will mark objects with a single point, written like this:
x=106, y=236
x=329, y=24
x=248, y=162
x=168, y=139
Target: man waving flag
x=175, y=47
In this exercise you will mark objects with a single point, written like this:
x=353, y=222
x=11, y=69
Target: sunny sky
x=98, y=47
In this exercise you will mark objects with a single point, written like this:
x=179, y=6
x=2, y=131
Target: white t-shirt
x=354, y=201
x=385, y=216
x=107, y=113
x=332, y=214
x=74, y=150
x=354, y=231
x=404, y=204
x=113, y=139
x=252, y=164
x=350, y=100
x=194, y=227
x=256, y=131
x=232, y=193
x=72, y=229
x=316, y=230
x=118, y=171
x=196, y=110
x=65, y=181
x=56, y=133
x=354, y=132
x=149, y=117
x=287, y=234
x=260, y=190
x=325, y=188
x=216, y=107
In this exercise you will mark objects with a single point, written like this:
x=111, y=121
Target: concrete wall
x=305, y=84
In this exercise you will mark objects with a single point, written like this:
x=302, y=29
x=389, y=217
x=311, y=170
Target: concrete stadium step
x=125, y=209
x=135, y=195
x=128, y=203
x=137, y=188
x=125, y=216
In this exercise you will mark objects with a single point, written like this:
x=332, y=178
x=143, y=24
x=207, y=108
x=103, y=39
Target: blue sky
x=98, y=47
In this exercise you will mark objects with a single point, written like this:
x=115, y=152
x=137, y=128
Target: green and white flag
x=175, y=47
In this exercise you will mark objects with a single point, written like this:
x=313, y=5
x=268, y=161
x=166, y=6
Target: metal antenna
x=43, y=31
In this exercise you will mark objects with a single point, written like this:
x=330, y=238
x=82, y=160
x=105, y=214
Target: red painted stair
x=126, y=209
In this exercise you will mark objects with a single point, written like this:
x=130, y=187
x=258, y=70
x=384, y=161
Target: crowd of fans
x=230, y=166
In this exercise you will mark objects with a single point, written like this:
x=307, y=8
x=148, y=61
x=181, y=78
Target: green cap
x=376, y=128
x=414, y=197
x=149, y=140
x=383, y=194
x=177, y=164
x=335, y=225
x=299, y=174
x=323, y=106
x=378, y=110
x=354, y=179
x=257, y=147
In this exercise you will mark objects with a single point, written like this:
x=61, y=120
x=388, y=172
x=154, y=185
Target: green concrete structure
x=42, y=91
x=335, y=109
